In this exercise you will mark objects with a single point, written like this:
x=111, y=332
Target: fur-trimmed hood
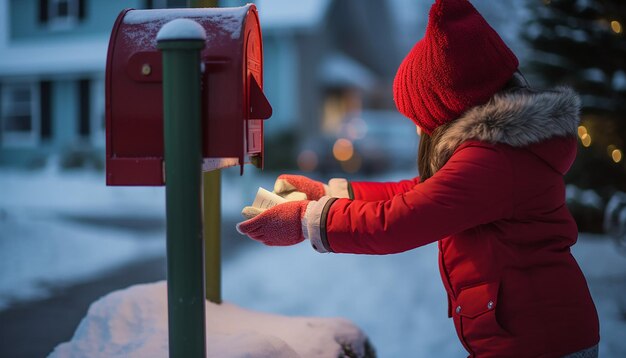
x=520, y=119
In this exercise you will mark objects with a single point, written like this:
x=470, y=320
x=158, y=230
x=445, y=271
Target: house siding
x=64, y=113
x=61, y=131
x=99, y=19
x=280, y=82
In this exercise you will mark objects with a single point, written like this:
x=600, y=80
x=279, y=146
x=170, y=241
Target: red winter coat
x=496, y=205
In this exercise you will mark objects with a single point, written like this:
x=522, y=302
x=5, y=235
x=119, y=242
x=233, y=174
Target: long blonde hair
x=425, y=151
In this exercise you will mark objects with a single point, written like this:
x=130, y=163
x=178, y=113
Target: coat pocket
x=476, y=309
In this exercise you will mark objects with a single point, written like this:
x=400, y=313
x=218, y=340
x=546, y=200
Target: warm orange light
x=616, y=155
x=343, y=149
x=307, y=160
x=586, y=140
x=582, y=130
x=616, y=27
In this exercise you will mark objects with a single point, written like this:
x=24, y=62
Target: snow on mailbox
x=233, y=103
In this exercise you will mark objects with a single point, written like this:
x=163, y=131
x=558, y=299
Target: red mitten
x=287, y=183
x=280, y=225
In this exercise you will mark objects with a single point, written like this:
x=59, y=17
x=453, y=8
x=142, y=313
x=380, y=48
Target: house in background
x=329, y=66
x=325, y=60
x=52, y=62
x=325, y=55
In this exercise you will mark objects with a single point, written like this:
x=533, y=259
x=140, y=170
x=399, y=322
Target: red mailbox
x=233, y=103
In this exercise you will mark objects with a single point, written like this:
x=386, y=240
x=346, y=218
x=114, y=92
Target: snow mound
x=181, y=29
x=133, y=323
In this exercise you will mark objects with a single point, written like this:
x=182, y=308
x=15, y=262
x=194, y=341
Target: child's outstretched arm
x=341, y=188
x=473, y=188
x=373, y=191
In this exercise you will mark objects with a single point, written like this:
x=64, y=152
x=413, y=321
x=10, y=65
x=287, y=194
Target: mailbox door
x=254, y=72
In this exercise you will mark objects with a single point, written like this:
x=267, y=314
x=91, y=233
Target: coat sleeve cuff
x=313, y=223
x=339, y=188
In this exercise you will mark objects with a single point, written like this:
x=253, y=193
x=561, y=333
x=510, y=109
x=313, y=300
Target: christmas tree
x=581, y=43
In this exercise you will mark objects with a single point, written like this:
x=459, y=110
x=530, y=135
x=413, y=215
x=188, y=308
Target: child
x=492, y=157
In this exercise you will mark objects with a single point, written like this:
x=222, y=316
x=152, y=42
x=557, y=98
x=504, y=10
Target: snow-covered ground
x=46, y=240
x=397, y=300
x=133, y=323
x=43, y=243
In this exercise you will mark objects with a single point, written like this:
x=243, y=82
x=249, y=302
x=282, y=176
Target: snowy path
x=397, y=300
x=45, y=241
x=62, y=228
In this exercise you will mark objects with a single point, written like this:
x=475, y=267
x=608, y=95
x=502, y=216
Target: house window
x=61, y=14
x=19, y=115
x=90, y=117
x=84, y=108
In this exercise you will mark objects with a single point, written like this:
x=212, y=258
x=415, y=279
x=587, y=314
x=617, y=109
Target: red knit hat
x=460, y=63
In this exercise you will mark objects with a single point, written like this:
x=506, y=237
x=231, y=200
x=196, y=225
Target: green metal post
x=211, y=199
x=211, y=202
x=183, y=173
